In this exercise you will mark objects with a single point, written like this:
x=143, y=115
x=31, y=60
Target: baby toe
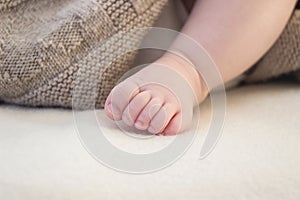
x=179, y=123
x=174, y=126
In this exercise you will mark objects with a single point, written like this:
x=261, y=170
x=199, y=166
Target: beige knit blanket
x=43, y=43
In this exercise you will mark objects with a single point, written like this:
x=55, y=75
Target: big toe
x=119, y=98
x=108, y=108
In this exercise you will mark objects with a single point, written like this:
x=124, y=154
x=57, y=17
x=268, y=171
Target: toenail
x=127, y=119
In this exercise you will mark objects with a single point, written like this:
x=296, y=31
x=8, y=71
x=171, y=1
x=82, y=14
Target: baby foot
x=159, y=98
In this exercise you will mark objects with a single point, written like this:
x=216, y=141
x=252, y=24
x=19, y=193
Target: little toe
x=174, y=126
x=179, y=123
x=135, y=107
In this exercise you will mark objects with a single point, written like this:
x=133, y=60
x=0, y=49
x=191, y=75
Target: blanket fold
x=284, y=56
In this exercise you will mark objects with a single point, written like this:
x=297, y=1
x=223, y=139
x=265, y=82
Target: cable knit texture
x=44, y=43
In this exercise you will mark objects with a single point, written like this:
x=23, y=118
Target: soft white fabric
x=256, y=158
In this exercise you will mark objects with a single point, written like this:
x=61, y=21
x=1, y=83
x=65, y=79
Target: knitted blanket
x=43, y=44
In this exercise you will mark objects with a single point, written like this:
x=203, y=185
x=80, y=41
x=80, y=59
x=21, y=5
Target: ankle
x=185, y=68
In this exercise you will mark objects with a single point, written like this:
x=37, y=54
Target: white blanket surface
x=257, y=156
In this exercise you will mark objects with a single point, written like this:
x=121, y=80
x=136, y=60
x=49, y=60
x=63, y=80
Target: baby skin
x=235, y=33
